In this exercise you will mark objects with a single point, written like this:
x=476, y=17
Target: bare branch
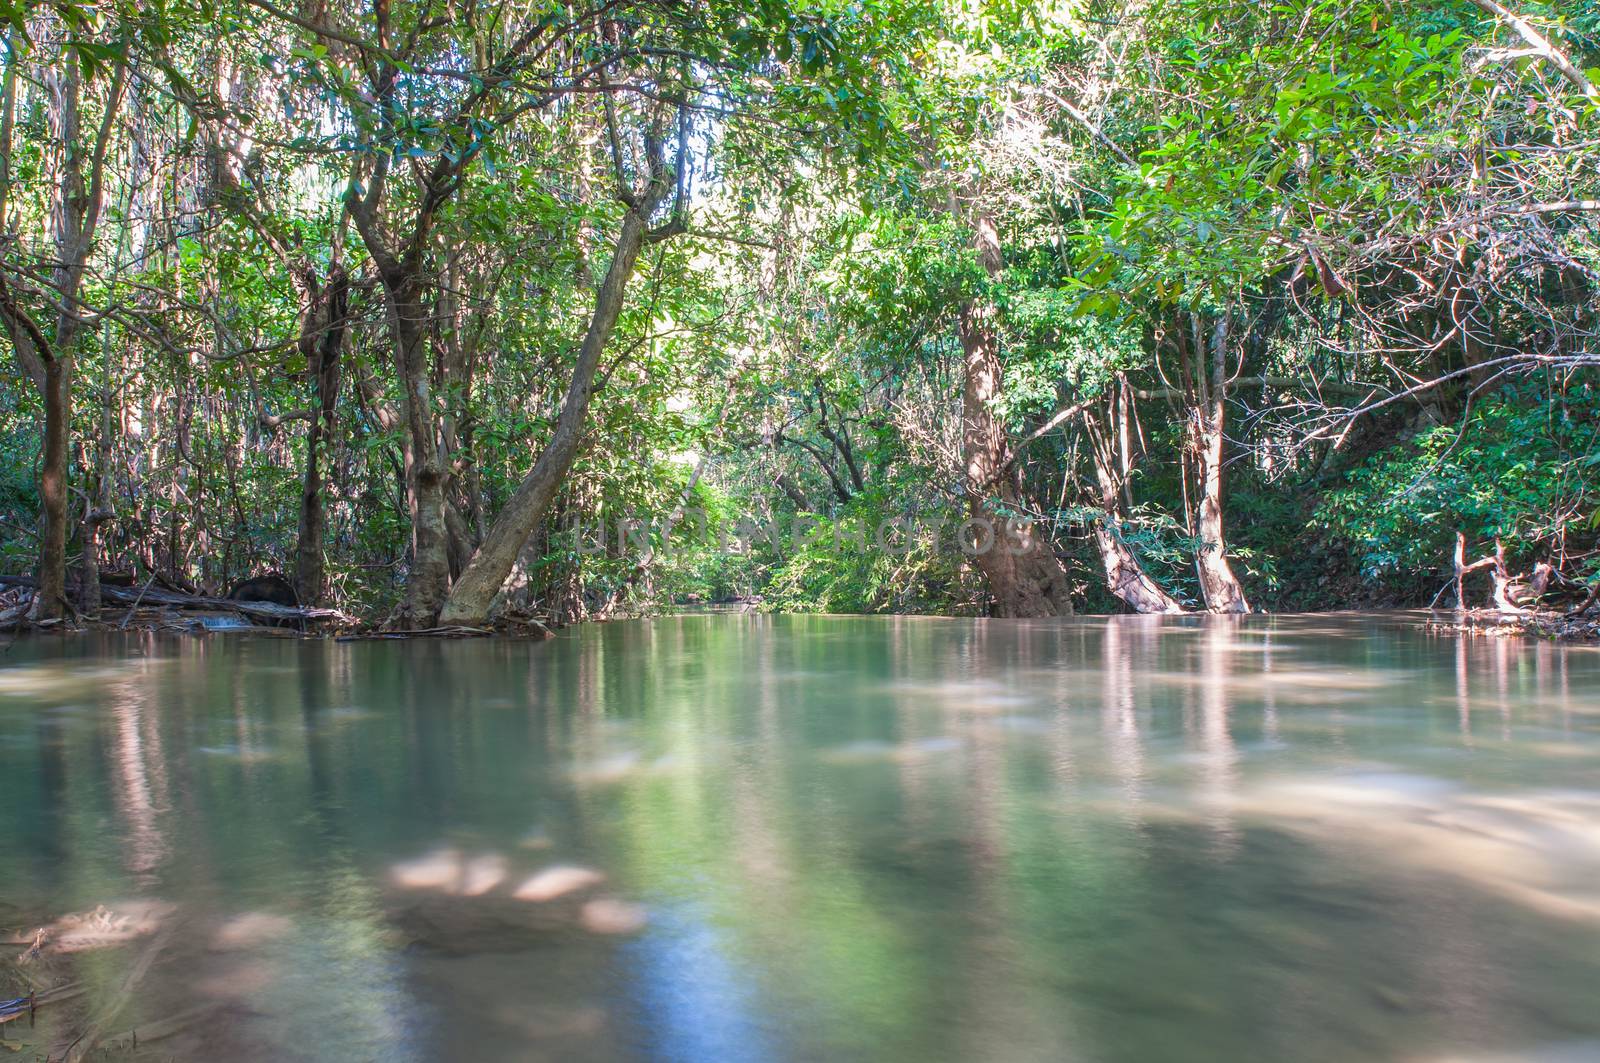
x=1541, y=46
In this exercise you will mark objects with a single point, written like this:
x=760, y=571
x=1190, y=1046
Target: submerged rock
x=250, y=930
x=557, y=881
x=463, y=906
x=607, y=915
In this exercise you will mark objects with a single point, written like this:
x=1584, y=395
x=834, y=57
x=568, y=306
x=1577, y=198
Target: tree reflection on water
x=729, y=837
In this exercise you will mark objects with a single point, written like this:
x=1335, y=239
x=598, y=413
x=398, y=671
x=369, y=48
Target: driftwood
x=1521, y=605
x=1512, y=595
x=156, y=596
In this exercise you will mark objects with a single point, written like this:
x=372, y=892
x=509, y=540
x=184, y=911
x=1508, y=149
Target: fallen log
x=157, y=596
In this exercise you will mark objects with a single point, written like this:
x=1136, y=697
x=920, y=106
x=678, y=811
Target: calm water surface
x=727, y=838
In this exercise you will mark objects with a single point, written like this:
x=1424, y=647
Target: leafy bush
x=830, y=570
x=1516, y=468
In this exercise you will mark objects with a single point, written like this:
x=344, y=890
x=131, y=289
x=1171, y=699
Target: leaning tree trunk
x=474, y=593
x=1025, y=577
x=1125, y=576
x=1208, y=419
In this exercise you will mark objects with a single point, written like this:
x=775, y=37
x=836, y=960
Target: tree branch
x=1541, y=45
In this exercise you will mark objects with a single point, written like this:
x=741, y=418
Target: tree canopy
x=455, y=311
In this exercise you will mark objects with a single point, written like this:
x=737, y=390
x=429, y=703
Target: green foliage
x=1296, y=123
x=1348, y=183
x=1514, y=469
x=19, y=496
x=858, y=561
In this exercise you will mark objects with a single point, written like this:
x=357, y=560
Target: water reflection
x=793, y=838
x=141, y=779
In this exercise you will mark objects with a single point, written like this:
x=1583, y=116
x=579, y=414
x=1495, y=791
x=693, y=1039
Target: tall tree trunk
x=52, y=596
x=74, y=213
x=400, y=253
x=68, y=213
x=328, y=317
x=308, y=567
x=473, y=596
x=1025, y=577
x=429, y=582
x=1208, y=423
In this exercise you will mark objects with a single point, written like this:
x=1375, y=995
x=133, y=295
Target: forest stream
x=750, y=837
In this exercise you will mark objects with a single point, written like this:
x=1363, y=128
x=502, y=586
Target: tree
x=45, y=335
x=471, y=598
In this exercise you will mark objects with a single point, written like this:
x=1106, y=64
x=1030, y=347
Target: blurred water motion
x=741, y=837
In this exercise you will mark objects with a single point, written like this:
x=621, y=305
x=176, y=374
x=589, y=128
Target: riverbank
x=152, y=608
x=155, y=609
x=1578, y=626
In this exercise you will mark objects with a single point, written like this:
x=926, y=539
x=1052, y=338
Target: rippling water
x=727, y=838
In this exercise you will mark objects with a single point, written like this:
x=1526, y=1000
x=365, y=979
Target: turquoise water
x=819, y=838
